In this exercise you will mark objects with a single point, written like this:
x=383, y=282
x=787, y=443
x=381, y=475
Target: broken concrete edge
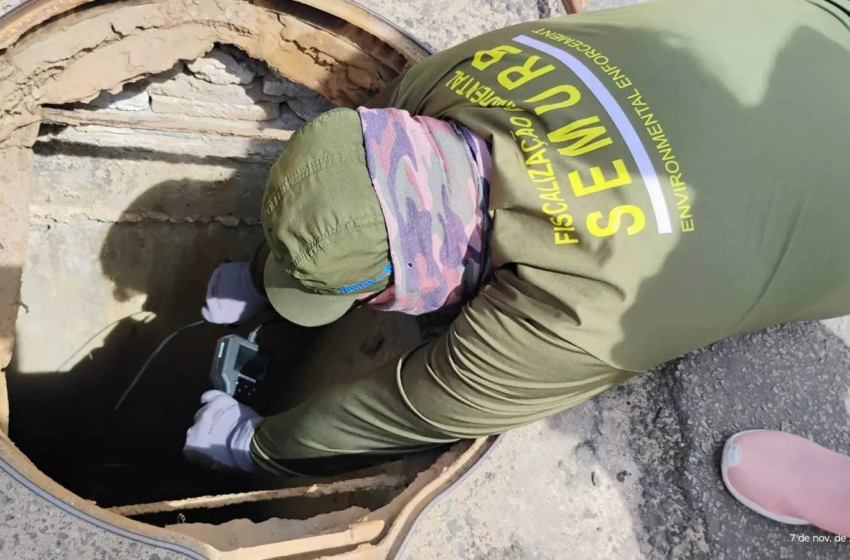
x=359, y=15
x=27, y=16
x=87, y=53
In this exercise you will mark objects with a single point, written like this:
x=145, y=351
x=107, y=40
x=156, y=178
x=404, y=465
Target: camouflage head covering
x=431, y=180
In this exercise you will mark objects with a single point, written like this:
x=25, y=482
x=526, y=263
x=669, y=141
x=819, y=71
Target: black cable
x=150, y=359
x=252, y=337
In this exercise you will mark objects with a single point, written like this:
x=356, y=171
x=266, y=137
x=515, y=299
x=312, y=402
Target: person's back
x=664, y=175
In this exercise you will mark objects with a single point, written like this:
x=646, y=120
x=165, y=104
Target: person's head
x=324, y=224
x=373, y=206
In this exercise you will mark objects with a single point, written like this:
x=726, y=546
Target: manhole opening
x=148, y=170
x=130, y=221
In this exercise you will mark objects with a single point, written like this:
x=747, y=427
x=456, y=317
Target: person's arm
x=498, y=368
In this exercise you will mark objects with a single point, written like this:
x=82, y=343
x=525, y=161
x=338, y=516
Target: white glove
x=231, y=295
x=221, y=435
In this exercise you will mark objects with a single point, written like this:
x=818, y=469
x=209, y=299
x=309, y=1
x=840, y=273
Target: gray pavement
x=32, y=529
x=635, y=473
x=631, y=474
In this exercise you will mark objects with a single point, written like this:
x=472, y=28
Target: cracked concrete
x=631, y=474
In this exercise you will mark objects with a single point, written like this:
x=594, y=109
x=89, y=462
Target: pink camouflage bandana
x=432, y=181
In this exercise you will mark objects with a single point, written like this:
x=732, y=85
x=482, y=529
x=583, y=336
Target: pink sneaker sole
x=732, y=457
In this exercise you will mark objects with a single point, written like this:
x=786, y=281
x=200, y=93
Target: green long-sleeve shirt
x=664, y=176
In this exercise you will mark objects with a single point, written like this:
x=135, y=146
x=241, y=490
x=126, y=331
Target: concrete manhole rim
x=23, y=117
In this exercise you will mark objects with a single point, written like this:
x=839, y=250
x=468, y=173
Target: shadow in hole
x=64, y=421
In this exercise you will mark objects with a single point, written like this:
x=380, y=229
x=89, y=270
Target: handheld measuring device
x=239, y=368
